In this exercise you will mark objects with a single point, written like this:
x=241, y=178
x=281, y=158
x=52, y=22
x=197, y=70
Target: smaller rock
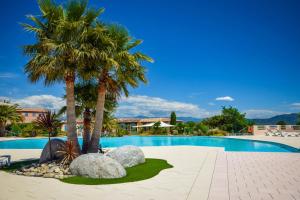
x=48, y=175
x=57, y=170
x=31, y=174
x=127, y=156
x=19, y=173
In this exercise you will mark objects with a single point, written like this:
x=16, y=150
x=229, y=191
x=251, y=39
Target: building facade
x=29, y=115
x=128, y=123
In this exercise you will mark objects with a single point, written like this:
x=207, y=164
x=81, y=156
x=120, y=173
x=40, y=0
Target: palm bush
x=49, y=122
x=8, y=113
x=68, y=152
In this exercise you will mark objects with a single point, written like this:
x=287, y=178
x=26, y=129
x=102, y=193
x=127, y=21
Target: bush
x=26, y=130
x=216, y=132
x=120, y=132
x=174, y=132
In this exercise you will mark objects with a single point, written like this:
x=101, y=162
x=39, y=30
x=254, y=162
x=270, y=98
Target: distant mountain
x=288, y=118
x=185, y=119
x=189, y=119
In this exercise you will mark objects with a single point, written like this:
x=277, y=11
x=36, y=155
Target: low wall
x=262, y=129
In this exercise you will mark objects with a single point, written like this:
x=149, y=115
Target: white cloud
x=296, y=105
x=136, y=105
x=139, y=105
x=7, y=75
x=261, y=114
x=226, y=98
x=41, y=101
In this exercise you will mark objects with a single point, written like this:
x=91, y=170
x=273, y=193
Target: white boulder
x=95, y=165
x=127, y=156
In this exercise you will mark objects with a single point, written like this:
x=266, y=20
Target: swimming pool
x=229, y=144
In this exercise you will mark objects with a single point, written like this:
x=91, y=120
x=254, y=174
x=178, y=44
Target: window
x=33, y=114
x=26, y=114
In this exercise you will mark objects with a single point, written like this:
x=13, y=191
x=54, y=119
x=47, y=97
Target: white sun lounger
x=273, y=132
x=5, y=160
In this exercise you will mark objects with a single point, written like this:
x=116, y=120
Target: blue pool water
x=228, y=143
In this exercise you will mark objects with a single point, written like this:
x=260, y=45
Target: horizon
x=208, y=55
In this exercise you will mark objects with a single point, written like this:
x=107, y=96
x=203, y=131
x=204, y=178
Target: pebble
x=49, y=170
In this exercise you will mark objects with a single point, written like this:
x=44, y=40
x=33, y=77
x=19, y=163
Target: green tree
x=61, y=48
x=49, y=122
x=180, y=127
x=119, y=68
x=281, y=122
x=156, y=128
x=201, y=129
x=173, y=118
x=8, y=113
x=231, y=120
x=214, y=121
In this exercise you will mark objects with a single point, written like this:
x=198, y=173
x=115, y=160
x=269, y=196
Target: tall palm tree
x=86, y=98
x=60, y=48
x=117, y=69
x=49, y=122
x=8, y=113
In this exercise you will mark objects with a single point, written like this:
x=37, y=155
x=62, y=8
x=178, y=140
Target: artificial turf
x=140, y=172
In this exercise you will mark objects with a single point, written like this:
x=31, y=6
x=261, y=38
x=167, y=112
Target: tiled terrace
x=199, y=173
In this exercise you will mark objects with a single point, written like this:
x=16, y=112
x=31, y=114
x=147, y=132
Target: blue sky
x=207, y=54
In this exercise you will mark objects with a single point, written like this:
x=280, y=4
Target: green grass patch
x=147, y=170
x=18, y=165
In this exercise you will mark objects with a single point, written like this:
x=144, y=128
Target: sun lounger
x=272, y=132
x=5, y=160
x=290, y=134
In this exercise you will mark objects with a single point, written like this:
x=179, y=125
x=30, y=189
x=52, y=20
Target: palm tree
x=86, y=98
x=8, y=113
x=49, y=122
x=118, y=69
x=60, y=49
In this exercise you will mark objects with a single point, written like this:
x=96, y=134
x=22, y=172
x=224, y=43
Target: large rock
x=56, y=145
x=95, y=165
x=127, y=156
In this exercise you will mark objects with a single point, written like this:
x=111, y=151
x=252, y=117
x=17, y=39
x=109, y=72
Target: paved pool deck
x=199, y=173
x=291, y=141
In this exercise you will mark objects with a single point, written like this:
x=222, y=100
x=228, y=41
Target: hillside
x=288, y=118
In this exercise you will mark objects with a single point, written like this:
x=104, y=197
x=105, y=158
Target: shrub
x=174, y=132
x=121, y=132
x=217, y=132
x=68, y=151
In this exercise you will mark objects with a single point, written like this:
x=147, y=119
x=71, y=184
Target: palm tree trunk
x=94, y=144
x=71, y=116
x=2, y=129
x=86, y=130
